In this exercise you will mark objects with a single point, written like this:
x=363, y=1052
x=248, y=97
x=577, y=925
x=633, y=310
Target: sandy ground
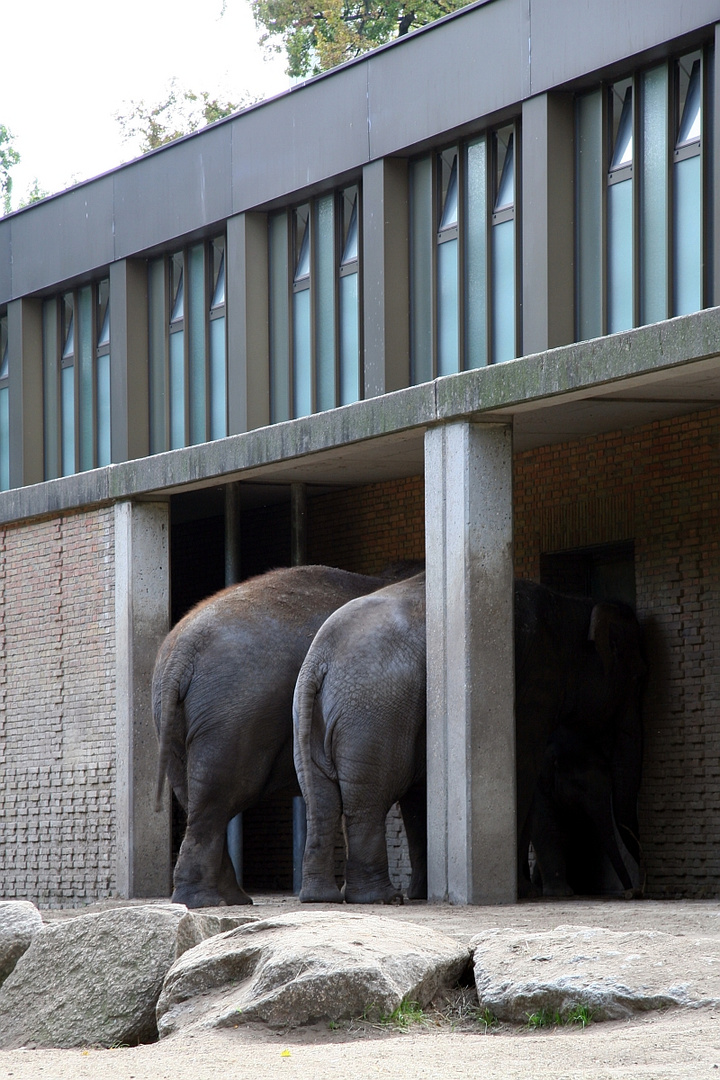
x=678, y=1043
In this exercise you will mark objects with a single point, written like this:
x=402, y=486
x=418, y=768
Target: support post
x=470, y=694
x=142, y=618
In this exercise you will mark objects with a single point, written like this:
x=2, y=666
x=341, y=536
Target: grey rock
x=95, y=979
x=19, y=922
x=614, y=974
x=305, y=966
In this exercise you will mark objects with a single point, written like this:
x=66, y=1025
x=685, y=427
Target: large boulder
x=95, y=979
x=20, y=921
x=613, y=974
x=306, y=966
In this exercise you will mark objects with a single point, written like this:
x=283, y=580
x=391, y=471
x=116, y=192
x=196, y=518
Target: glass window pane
x=619, y=257
x=279, y=319
x=302, y=243
x=68, y=322
x=217, y=251
x=68, y=420
x=177, y=390
x=302, y=383
x=156, y=354
x=349, y=340
x=4, y=438
x=476, y=256
x=506, y=170
x=324, y=298
x=654, y=197
x=50, y=389
x=103, y=313
x=177, y=288
x=449, y=205
x=350, y=246
x=103, y=409
x=86, y=389
x=218, y=380
x=690, y=122
x=4, y=355
x=589, y=234
x=447, y=302
x=622, y=152
x=422, y=253
x=687, y=236
x=503, y=291
x=196, y=307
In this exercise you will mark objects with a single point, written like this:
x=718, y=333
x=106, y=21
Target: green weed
x=407, y=1013
x=576, y=1014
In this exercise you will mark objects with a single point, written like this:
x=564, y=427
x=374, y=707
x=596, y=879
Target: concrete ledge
x=494, y=393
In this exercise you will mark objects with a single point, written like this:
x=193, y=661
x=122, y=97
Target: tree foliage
x=179, y=113
x=317, y=40
x=9, y=157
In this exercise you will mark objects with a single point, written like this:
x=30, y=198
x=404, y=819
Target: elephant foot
x=320, y=894
x=235, y=897
x=196, y=896
x=390, y=895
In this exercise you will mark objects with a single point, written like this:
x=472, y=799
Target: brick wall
x=660, y=486
x=57, y=710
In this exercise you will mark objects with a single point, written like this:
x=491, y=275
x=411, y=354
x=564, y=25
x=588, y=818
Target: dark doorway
x=604, y=571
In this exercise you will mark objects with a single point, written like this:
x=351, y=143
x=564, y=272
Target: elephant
x=359, y=721
x=222, y=692
x=571, y=823
x=359, y=717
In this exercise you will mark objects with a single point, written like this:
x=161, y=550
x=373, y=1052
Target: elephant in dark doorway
x=222, y=704
x=359, y=711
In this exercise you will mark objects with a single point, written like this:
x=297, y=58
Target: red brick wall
x=57, y=709
x=658, y=485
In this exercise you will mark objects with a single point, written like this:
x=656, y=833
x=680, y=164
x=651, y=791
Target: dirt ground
x=678, y=1043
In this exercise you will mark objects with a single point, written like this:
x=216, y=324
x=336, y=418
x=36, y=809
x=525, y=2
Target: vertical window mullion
x=422, y=234
x=195, y=332
x=324, y=300
x=280, y=294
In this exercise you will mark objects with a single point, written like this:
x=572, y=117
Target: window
x=463, y=259
x=187, y=346
x=76, y=380
x=639, y=234
x=4, y=406
x=314, y=283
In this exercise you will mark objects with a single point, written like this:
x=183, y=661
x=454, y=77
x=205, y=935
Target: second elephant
x=359, y=711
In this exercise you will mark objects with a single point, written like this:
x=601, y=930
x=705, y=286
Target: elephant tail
x=307, y=687
x=168, y=691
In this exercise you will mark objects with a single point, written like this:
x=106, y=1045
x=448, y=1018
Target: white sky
x=68, y=66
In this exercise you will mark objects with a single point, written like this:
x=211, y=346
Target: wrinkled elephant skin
x=222, y=704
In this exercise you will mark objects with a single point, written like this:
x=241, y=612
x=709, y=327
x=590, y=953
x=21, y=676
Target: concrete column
x=470, y=695
x=25, y=384
x=386, y=282
x=548, y=135
x=142, y=618
x=129, y=390
x=248, y=342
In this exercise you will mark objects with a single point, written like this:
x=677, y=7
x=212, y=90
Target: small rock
x=305, y=966
x=613, y=974
x=19, y=922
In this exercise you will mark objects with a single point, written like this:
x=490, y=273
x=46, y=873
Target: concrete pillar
x=386, y=283
x=25, y=384
x=248, y=342
x=129, y=390
x=142, y=618
x=548, y=139
x=470, y=694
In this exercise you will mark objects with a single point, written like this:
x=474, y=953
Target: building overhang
x=614, y=383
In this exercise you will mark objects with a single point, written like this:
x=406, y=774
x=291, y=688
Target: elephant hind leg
x=228, y=887
x=413, y=805
x=324, y=812
x=367, y=878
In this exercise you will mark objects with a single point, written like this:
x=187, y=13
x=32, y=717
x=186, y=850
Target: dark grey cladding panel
x=570, y=38
x=300, y=139
x=5, y=263
x=464, y=69
x=63, y=237
x=173, y=192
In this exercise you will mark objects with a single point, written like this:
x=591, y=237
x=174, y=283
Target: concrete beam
x=142, y=618
x=470, y=690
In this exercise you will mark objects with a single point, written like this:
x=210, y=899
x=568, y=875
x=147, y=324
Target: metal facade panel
x=63, y=238
x=572, y=38
x=301, y=139
x=173, y=192
x=466, y=69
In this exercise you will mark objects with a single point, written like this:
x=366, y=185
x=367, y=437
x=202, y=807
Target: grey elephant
x=222, y=704
x=359, y=714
